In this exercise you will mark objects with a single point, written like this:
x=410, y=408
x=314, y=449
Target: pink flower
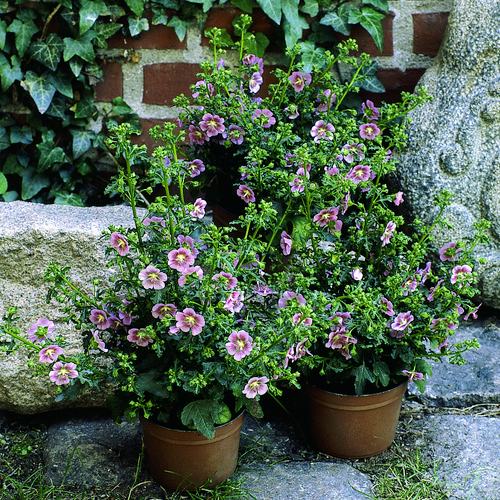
x=401, y=321
x=297, y=320
x=263, y=117
x=239, y=345
x=386, y=237
x=226, y=279
x=246, y=194
x=387, y=307
x=152, y=278
x=325, y=216
x=100, y=319
x=292, y=111
x=449, y=252
x=370, y=111
x=357, y=274
x=50, y=354
x=236, y=134
x=196, y=136
x=41, y=331
x=195, y=167
x=461, y=274
x=328, y=100
x=339, y=340
x=398, y=199
x=100, y=343
x=433, y=290
x=61, y=374
x=256, y=386
x=369, y=131
x=188, y=272
x=413, y=375
x=322, y=130
x=289, y=296
x=189, y=320
x=212, y=124
x=286, y=243
x=299, y=80
x=199, y=209
x=119, y=243
x=255, y=82
x=180, y=259
x=234, y=303
x=163, y=310
x=474, y=312
x=139, y=336
x=353, y=152
x=360, y=173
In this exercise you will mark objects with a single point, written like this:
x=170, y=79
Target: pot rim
x=311, y=386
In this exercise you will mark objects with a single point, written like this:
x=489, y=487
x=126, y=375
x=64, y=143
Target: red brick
x=428, y=32
x=111, y=84
x=365, y=40
x=395, y=81
x=164, y=81
x=158, y=37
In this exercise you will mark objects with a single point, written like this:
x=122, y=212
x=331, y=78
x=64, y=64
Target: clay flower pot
x=185, y=460
x=353, y=426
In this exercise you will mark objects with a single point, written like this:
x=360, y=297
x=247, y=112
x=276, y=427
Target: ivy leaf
x=89, y=12
x=48, y=53
x=136, y=6
x=65, y=198
x=105, y=31
x=312, y=55
x=76, y=65
x=137, y=25
x=3, y=33
x=24, y=32
x=272, y=8
x=4, y=185
x=382, y=5
x=12, y=165
x=244, y=5
x=81, y=47
x=339, y=20
x=310, y=7
x=40, y=89
x=257, y=44
x=57, y=107
x=370, y=20
x=179, y=26
x=85, y=107
x=9, y=74
x=159, y=17
x=382, y=372
x=5, y=7
x=49, y=155
x=82, y=141
x=293, y=32
x=199, y=414
x=120, y=107
x=4, y=140
x=62, y=84
x=32, y=184
x=290, y=9
x=20, y=135
x=169, y=4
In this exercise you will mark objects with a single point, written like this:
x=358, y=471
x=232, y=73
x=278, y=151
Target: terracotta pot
x=185, y=460
x=353, y=426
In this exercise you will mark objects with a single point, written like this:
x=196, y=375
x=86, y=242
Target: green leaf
x=104, y=31
x=3, y=33
x=84, y=107
x=21, y=135
x=89, y=12
x=10, y=196
x=293, y=33
x=159, y=17
x=4, y=139
x=81, y=47
x=310, y=7
x=4, y=185
x=24, y=32
x=65, y=198
x=312, y=55
x=244, y=5
x=199, y=414
x=32, y=184
x=382, y=372
x=40, y=89
x=290, y=9
x=339, y=21
x=137, y=25
x=370, y=20
x=120, y=107
x=12, y=165
x=9, y=74
x=382, y=5
x=422, y=366
x=363, y=375
x=82, y=141
x=62, y=84
x=57, y=107
x=76, y=65
x=169, y=4
x=136, y=6
x=272, y=8
x=48, y=53
x=179, y=26
x=257, y=44
x=48, y=156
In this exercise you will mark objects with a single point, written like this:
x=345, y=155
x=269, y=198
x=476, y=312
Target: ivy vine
x=49, y=64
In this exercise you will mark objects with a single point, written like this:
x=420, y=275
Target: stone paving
x=453, y=425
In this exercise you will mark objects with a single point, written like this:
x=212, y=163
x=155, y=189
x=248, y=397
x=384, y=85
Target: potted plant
x=173, y=332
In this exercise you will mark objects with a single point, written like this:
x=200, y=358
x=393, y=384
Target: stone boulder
x=454, y=140
x=31, y=236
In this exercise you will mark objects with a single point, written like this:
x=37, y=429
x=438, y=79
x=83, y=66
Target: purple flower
x=386, y=237
x=246, y=194
x=255, y=82
x=198, y=209
x=322, y=130
x=201, y=86
x=263, y=290
x=236, y=134
x=413, y=375
x=339, y=340
x=325, y=216
x=401, y=321
x=50, y=354
x=188, y=272
x=326, y=102
x=474, y=312
x=461, y=274
x=370, y=111
x=234, y=302
x=41, y=331
x=288, y=296
x=387, y=307
x=119, y=243
x=239, y=345
x=263, y=117
x=152, y=278
x=299, y=80
x=296, y=352
x=61, y=374
x=297, y=320
x=180, y=259
x=196, y=135
x=100, y=319
x=139, y=336
x=357, y=274
x=353, y=151
x=163, y=310
x=398, y=199
x=292, y=111
x=226, y=279
x=195, y=167
x=433, y=290
x=251, y=59
x=286, y=243
x=449, y=252
x=189, y=320
x=369, y=131
x=360, y=173
x=256, y=385
x=212, y=124
x=99, y=342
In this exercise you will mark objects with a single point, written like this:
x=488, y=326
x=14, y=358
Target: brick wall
x=149, y=72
